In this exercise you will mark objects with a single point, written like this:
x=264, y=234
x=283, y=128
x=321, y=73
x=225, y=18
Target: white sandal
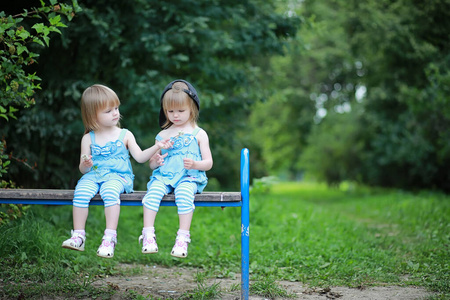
x=106, y=249
x=76, y=242
x=180, y=249
x=148, y=243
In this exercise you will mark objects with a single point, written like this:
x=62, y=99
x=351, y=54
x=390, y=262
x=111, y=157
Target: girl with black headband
x=179, y=169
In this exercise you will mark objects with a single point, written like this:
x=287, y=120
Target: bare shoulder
x=129, y=135
x=202, y=135
x=165, y=134
x=86, y=138
x=129, y=140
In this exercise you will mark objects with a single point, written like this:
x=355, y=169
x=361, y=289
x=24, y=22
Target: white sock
x=183, y=232
x=148, y=230
x=80, y=231
x=110, y=232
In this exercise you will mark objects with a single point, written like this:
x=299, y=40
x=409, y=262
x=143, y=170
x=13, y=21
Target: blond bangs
x=174, y=100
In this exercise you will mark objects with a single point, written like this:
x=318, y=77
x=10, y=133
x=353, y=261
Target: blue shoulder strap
x=122, y=134
x=196, y=130
x=92, y=134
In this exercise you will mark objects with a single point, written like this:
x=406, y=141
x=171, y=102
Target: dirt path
x=164, y=283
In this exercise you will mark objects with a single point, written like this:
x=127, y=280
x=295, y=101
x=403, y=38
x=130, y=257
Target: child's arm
x=207, y=161
x=86, y=162
x=143, y=156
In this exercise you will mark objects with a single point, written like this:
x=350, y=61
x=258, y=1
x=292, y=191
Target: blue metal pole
x=245, y=223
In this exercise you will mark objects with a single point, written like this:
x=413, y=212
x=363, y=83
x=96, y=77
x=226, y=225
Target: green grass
x=303, y=232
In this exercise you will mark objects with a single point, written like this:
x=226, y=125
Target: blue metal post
x=245, y=223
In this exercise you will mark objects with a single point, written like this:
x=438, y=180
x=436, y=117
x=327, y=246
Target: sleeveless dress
x=173, y=172
x=111, y=161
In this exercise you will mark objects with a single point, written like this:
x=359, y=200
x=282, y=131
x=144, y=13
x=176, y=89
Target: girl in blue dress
x=179, y=169
x=105, y=163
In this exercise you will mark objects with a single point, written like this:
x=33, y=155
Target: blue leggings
x=184, y=196
x=109, y=191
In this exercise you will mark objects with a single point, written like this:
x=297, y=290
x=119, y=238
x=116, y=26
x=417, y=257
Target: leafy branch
x=17, y=85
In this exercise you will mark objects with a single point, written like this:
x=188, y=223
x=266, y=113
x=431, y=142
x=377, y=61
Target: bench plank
x=47, y=194
x=65, y=197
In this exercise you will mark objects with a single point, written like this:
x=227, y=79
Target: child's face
x=179, y=116
x=108, y=116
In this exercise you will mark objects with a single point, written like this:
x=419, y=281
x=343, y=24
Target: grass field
x=349, y=236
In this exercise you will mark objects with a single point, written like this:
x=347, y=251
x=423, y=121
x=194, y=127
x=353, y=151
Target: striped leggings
x=109, y=191
x=184, y=196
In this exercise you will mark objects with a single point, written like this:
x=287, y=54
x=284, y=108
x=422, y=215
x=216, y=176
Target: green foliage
x=334, y=151
x=10, y=212
x=316, y=76
x=136, y=48
x=203, y=292
x=269, y=288
x=18, y=54
x=384, y=66
x=407, y=104
x=270, y=125
x=4, y=158
x=262, y=185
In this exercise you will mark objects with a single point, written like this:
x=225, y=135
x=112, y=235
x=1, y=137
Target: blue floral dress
x=173, y=171
x=111, y=161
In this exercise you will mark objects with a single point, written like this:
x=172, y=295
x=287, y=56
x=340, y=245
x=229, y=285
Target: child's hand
x=87, y=160
x=188, y=163
x=165, y=144
x=160, y=159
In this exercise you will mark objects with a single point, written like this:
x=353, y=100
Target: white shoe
x=180, y=249
x=107, y=247
x=76, y=242
x=148, y=243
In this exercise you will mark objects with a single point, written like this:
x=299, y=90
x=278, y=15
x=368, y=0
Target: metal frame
x=245, y=223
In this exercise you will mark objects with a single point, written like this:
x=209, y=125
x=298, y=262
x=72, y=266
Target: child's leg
x=110, y=192
x=185, y=221
x=151, y=202
x=184, y=198
x=112, y=214
x=84, y=192
x=80, y=215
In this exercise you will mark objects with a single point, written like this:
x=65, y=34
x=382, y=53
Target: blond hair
x=177, y=97
x=94, y=99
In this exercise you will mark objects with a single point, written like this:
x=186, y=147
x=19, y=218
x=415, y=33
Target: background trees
x=377, y=73
x=405, y=47
x=137, y=47
x=361, y=92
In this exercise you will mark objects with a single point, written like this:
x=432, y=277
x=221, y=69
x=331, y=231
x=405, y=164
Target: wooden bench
x=215, y=199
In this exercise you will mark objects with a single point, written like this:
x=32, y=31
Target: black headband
x=191, y=92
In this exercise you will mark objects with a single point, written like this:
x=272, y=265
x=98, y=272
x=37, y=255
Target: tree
x=405, y=50
x=377, y=73
x=335, y=150
x=18, y=38
x=317, y=75
x=136, y=48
